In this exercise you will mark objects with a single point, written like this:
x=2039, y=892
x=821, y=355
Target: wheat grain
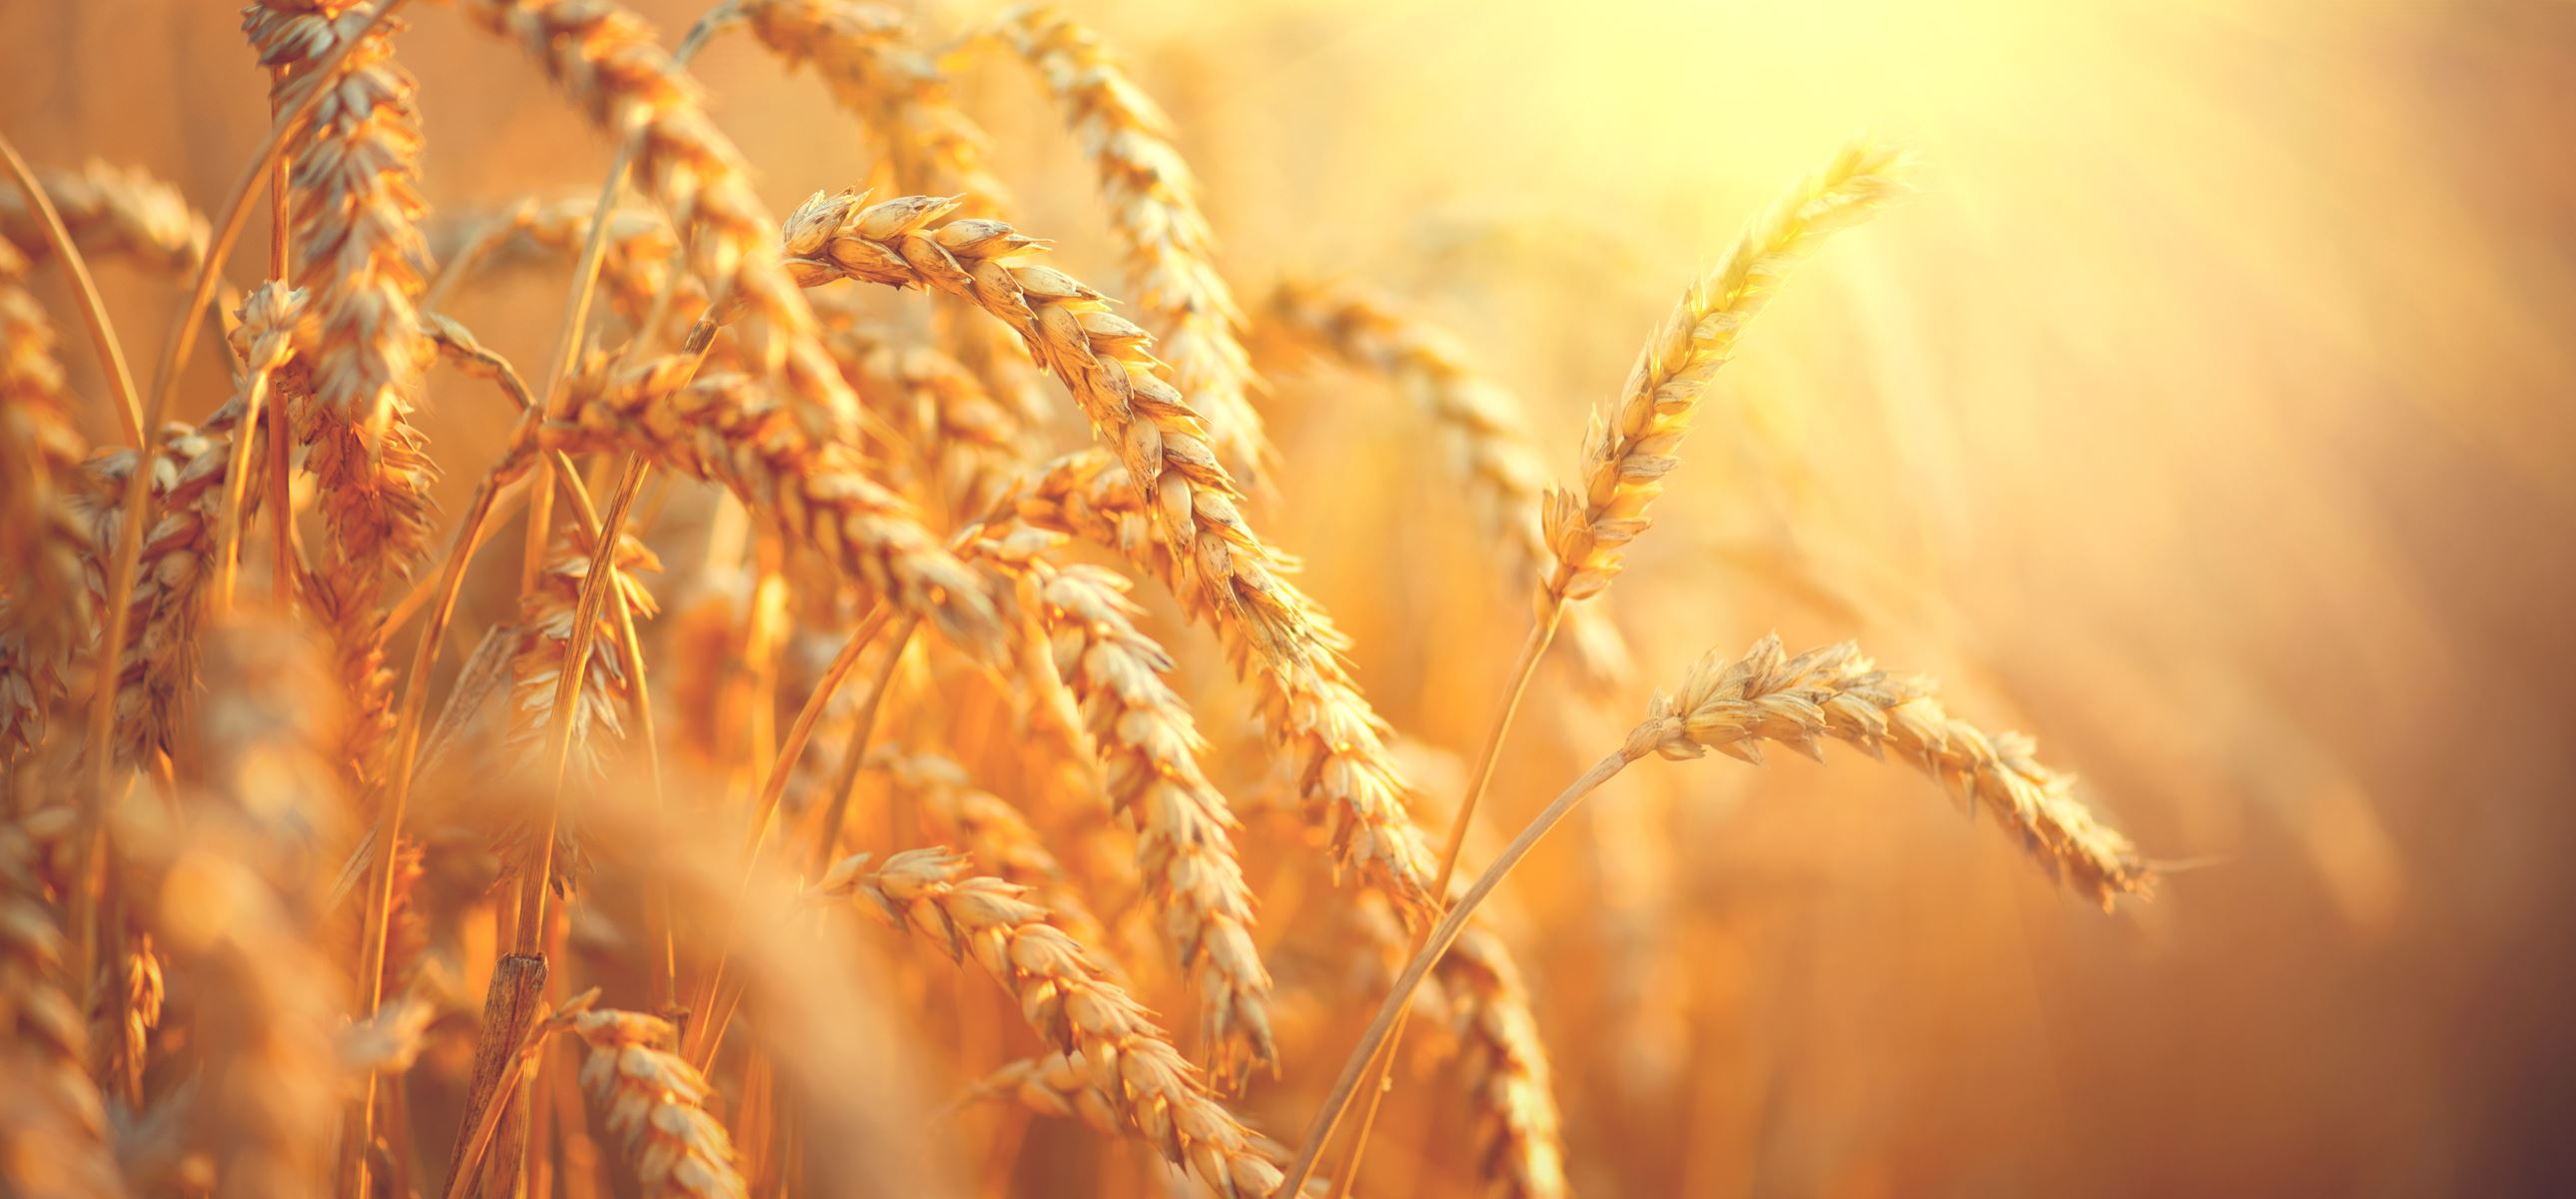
x=1630, y=446
x=1071, y=1003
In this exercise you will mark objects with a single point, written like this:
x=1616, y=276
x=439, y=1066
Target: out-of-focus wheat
x=1486, y=426
x=1071, y=1003
x=112, y=213
x=657, y=1103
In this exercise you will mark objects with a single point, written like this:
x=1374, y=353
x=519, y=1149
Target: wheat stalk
x=1154, y=211
x=1072, y=1004
x=1732, y=704
x=111, y=212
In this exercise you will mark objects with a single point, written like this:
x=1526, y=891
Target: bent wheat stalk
x=1734, y=704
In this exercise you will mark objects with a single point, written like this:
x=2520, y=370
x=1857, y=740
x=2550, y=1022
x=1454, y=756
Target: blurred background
x=2208, y=416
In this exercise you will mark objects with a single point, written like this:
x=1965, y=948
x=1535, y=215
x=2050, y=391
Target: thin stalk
x=1382, y=1028
x=707, y=1032
x=102, y=334
x=228, y=523
x=1542, y=634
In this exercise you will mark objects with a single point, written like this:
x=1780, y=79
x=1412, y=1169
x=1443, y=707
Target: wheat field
x=834, y=597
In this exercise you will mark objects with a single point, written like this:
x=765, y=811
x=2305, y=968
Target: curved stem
x=1382, y=1028
x=102, y=335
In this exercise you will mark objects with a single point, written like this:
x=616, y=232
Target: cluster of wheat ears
x=262, y=833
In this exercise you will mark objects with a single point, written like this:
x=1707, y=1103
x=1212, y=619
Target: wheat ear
x=657, y=1104
x=969, y=440
x=1149, y=749
x=53, y=1125
x=231, y=897
x=1071, y=1002
x=1154, y=210
x=866, y=54
x=639, y=254
x=1631, y=445
x=953, y=810
x=168, y=599
x=356, y=199
x=112, y=212
x=42, y=539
